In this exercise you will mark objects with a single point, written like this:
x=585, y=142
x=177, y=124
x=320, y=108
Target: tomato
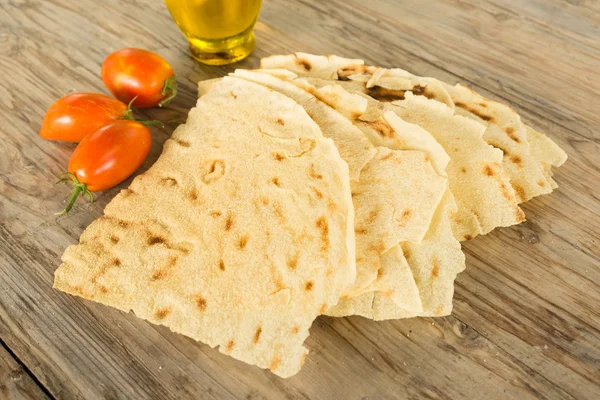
x=139, y=74
x=77, y=115
x=107, y=157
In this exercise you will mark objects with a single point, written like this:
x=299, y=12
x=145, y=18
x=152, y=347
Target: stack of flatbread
x=314, y=185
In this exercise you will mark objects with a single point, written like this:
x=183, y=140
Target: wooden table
x=526, y=320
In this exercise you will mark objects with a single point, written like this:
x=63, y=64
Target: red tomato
x=107, y=157
x=139, y=74
x=77, y=115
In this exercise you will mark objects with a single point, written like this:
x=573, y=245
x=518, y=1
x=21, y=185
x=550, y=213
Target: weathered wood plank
x=527, y=310
x=15, y=383
x=458, y=40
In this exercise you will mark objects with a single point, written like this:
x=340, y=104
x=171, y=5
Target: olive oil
x=219, y=31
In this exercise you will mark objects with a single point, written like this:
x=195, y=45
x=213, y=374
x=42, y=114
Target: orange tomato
x=77, y=115
x=141, y=75
x=107, y=157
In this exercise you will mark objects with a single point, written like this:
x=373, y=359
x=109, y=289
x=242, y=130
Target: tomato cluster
x=112, y=143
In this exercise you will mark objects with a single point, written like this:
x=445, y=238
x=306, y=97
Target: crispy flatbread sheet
x=438, y=259
x=368, y=115
x=396, y=196
x=440, y=249
x=395, y=201
x=528, y=154
x=481, y=189
x=354, y=148
x=524, y=160
x=504, y=129
x=394, y=263
x=302, y=63
x=239, y=236
x=433, y=266
x=506, y=132
x=546, y=152
x=435, y=261
x=361, y=305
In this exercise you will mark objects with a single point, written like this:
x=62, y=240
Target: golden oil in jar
x=219, y=31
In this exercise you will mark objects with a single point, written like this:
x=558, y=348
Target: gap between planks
x=26, y=369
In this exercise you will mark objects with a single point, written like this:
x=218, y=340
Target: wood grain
x=526, y=322
x=15, y=382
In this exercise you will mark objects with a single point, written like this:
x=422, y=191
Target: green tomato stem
x=78, y=188
x=130, y=117
x=129, y=113
x=151, y=123
x=170, y=90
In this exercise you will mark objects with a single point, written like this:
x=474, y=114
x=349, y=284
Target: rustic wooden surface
x=526, y=322
x=15, y=382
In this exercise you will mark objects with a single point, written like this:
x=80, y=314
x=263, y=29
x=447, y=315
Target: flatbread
x=354, y=148
x=506, y=132
x=546, y=152
x=239, y=236
x=394, y=263
x=395, y=201
x=481, y=189
x=396, y=196
x=527, y=154
x=302, y=63
x=368, y=116
x=431, y=266
x=504, y=129
x=483, y=194
x=524, y=159
x=435, y=261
